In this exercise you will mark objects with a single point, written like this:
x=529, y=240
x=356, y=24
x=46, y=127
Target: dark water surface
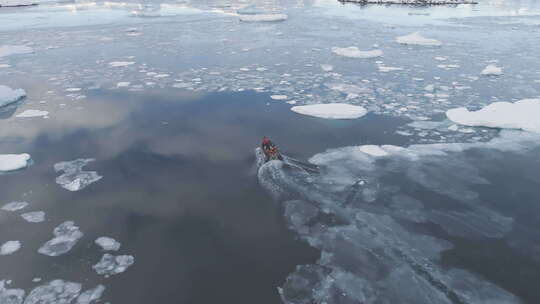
x=179, y=191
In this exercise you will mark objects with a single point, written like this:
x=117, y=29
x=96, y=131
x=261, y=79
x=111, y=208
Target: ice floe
x=12, y=162
x=354, y=52
x=110, y=265
x=327, y=67
x=10, y=247
x=279, y=97
x=7, y=50
x=10, y=296
x=523, y=114
x=373, y=150
x=107, y=243
x=417, y=39
x=9, y=95
x=66, y=236
x=14, y=206
x=121, y=63
x=262, y=17
x=34, y=216
x=54, y=292
x=492, y=70
x=74, y=177
x=32, y=113
x=91, y=295
x=331, y=111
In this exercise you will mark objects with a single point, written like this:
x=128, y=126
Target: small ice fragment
x=331, y=111
x=441, y=58
x=90, y=295
x=417, y=39
x=453, y=127
x=111, y=265
x=492, y=70
x=66, y=236
x=120, y=63
x=14, y=206
x=32, y=113
x=279, y=97
x=263, y=18
x=8, y=95
x=10, y=247
x=34, y=216
x=123, y=84
x=327, y=67
x=373, y=150
x=386, y=69
x=74, y=177
x=73, y=89
x=107, y=243
x=354, y=52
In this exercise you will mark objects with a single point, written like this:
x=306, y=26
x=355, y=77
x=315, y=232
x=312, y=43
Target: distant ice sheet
x=354, y=52
x=8, y=95
x=523, y=114
x=8, y=50
x=12, y=162
x=14, y=206
x=74, y=177
x=331, y=111
x=107, y=243
x=110, y=265
x=34, y=216
x=9, y=247
x=417, y=39
x=66, y=236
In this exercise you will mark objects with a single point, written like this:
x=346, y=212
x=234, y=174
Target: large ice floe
x=331, y=111
x=10, y=296
x=12, y=162
x=523, y=114
x=34, y=216
x=9, y=247
x=354, y=52
x=417, y=39
x=107, y=243
x=9, y=95
x=357, y=210
x=74, y=177
x=66, y=236
x=14, y=206
x=492, y=70
x=53, y=292
x=110, y=264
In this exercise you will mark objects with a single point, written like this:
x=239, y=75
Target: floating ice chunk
x=74, y=178
x=331, y=111
x=453, y=127
x=73, y=89
x=66, y=236
x=111, y=265
x=9, y=247
x=522, y=115
x=279, y=97
x=14, y=206
x=386, y=69
x=123, y=84
x=107, y=243
x=492, y=70
x=54, y=292
x=327, y=67
x=354, y=52
x=90, y=295
x=32, y=113
x=7, y=50
x=441, y=58
x=120, y=63
x=417, y=39
x=8, y=95
x=10, y=296
x=373, y=150
x=34, y=216
x=263, y=17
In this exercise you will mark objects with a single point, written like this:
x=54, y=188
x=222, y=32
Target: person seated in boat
x=270, y=150
x=266, y=144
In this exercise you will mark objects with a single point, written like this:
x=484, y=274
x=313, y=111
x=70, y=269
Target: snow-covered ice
x=417, y=39
x=492, y=70
x=110, y=265
x=9, y=95
x=262, y=17
x=14, y=206
x=12, y=162
x=373, y=150
x=34, y=216
x=10, y=296
x=279, y=97
x=91, y=295
x=54, y=292
x=354, y=52
x=7, y=50
x=10, y=247
x=66, y=236
x=32, y=113
x=331, y=111
x=107, y=243
x=523, y=114
x=74, y=177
